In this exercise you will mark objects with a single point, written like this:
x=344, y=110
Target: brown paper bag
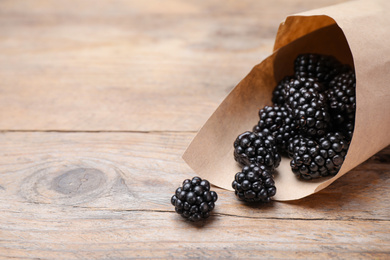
x=357, y=33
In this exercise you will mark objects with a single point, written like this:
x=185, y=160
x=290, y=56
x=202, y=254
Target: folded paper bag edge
x=205, y=167
x=320, y=186
x=198, y=158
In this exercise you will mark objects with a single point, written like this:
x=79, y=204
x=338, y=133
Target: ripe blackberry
x=278, y=122
x=342, y=97
x=336, y=146
x=313, y=159
x=322, y=67
x=306, y=161
x=256, y=148
x=194, y=200
x=279, y=91
x=254, y=183
x=347, y=129
x=308, y=106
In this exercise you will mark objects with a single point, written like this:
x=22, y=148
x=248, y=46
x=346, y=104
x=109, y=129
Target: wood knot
x=78, y=181
x=71, y=182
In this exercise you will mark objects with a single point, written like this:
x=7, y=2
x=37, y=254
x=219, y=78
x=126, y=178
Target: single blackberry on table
x=308, y=105
x=342, y=97
x=259, y=148
x=194, y=200
x=322, y=67
x=254, y=183
x=278, y=122
x=279, y=91
x=313, y=159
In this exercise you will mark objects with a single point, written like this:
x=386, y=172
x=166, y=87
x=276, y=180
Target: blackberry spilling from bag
x=279, y=123
x=317, y=158
x=279, y=91
x=194, y=200
x=347, y=129
x=322, y=67
x=254, y=183
x=259, y=148
x=312, y=120
x=308, y=106
x=342, y=99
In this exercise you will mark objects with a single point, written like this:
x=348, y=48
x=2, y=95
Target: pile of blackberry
x=311, y=121
x=257, y=153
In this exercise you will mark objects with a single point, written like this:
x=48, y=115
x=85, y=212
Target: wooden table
x=98, y=101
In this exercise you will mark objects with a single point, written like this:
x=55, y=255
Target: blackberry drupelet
x=342, y=97
x=313, y=159
x=279, y=91
x=254, y=183
x=278, y=122
x=194, y=200
x=322, y=67
x=308, y=105
x=259, y=148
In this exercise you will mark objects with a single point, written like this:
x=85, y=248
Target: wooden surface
x=98, y=101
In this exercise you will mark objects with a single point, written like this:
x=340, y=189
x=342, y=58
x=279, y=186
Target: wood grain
x=107, y=195
x=129, y=65
x=98, y=101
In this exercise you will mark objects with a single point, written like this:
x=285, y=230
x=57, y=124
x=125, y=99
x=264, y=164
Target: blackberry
x=259, y=148
x=278, y=122
x=322, y=67
x=194, y=200
x=254, y=183
x=342, y=97
x=336, y=146
x=308, y=105
x=313, y=159
x=306, y=160
x=279, y=91
x=347, y=129
x=296, y=142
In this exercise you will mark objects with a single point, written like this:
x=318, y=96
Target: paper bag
x=356, y=33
